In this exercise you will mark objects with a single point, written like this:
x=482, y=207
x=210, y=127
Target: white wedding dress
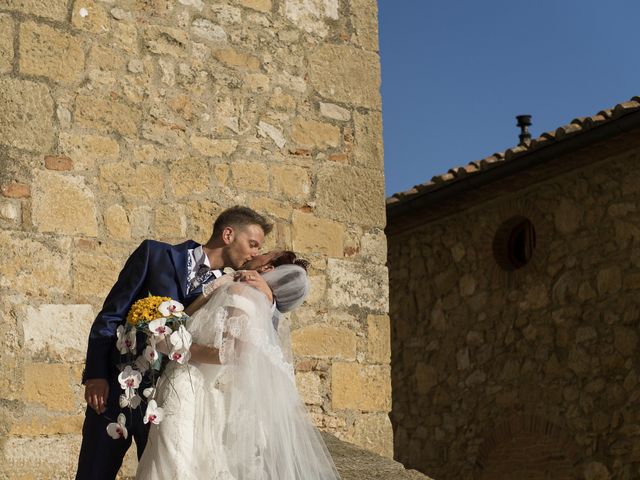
x=243, y=419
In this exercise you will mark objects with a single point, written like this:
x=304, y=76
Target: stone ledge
x=354, y=463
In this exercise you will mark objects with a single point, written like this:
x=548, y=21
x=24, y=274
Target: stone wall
x=129, y=119
x=531, y=373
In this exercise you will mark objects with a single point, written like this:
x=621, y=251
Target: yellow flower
x=145, y=309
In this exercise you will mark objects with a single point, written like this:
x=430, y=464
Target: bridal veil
x=267, y=433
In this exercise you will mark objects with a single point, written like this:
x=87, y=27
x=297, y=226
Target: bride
x=233, y=412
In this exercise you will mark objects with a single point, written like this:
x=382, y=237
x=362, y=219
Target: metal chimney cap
x=524, y=122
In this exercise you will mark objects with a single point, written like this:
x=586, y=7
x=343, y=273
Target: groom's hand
x=254, y=279
x=96, y=391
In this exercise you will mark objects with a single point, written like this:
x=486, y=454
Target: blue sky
x=455, y=73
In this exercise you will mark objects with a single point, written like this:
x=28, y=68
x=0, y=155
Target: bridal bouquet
x=162, y=320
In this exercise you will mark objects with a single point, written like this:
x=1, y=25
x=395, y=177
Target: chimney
x=524, y=122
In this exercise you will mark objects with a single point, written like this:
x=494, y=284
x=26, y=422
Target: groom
x=156, y=268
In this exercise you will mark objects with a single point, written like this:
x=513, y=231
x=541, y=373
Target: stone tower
x=129, y=119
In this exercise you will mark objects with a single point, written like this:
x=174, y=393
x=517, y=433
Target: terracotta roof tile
x=576, y=126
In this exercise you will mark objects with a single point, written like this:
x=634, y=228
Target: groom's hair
x=240, y=217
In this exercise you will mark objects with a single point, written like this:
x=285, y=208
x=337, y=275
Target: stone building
x=514, y=300
x=129, y=119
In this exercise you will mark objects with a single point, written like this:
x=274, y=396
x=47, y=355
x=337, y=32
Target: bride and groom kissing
x=232, y=411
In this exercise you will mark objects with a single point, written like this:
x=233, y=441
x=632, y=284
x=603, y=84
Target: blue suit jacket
x=154, y=268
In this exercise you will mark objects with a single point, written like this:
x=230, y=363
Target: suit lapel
x=179, y=258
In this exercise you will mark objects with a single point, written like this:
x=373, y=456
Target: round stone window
x=514, y=243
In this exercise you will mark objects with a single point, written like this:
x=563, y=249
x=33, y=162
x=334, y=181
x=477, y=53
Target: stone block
x=252, y=176
x=16, y=190
x=256, y=82
x=311, y=15
x=107, y=115
x=364, y=18
x=318, y=289
x=346, y=74
x=315, y=135
x=426, y=377
x=6, y=43
x=190, y=176
x=63, y=204
x=315, y=235
x=200, y=217
x=166, y=40
x=91, y=16
x=237, y=59
x=38, y=457
x=57, y=332
x=136, y=183
x=165, y=132
x=467, y=285
x=361, y=387
x=373, y=432
x=373, y=247
x=38, y=425
x=42, y=47
x=86, y=150
x=596, y=471
x=105, y=63
x=213, y=147
x=11, y=211
x=170, y=222
x=51, y=9
x=335, y=112
x=274, y=133
x=270, y=207
x=324, y=341
x=609, y=280
x=568, y=216
x=140, y=219
x=50, y=385
x=360, y=285
x=126, y=37
x=26, y=110
x=60, y=163
x=309, y=387
x=95, y=272
x=368, y=152
x=378, y=339
x=259, y=5
x=625, y=340
x=282, y=101
x=116, y=222
x=44, y=271
x=350, y=194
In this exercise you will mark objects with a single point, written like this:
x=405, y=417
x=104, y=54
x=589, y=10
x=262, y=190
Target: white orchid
x=151, y=354
x=129, y=380
x=117, y=430
x=181, y=356
x=126, y=340
x=181, y=339
x=133, y=401
x=181, y=342
x=154, y=413
x=170, y=308
x=159, y=327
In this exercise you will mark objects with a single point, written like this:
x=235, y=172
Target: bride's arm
x=204, y=354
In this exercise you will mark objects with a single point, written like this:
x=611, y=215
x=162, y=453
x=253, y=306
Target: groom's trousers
x=100, y=455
